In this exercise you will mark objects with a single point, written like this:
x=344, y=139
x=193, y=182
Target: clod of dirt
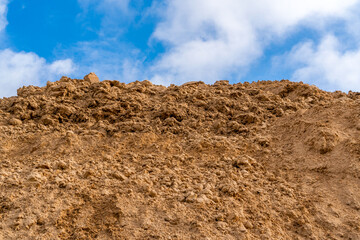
x=84, y=159
x=92, y=78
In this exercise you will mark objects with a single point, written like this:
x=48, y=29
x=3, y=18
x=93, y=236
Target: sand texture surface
x=83, y=159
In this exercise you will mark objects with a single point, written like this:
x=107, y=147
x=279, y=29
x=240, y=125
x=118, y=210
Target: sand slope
x=83, y=159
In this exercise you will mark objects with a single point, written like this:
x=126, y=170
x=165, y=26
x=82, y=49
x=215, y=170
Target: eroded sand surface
x=82, y=159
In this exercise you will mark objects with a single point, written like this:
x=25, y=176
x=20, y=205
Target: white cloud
x=61, y=66
x=20, y=68
x=3, y=11
x=353, y=22
x=328, y=64
x=210, y=39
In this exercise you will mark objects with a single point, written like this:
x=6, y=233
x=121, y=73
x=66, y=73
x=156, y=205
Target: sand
x=84, y=159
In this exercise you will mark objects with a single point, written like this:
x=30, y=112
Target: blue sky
x=176, y=41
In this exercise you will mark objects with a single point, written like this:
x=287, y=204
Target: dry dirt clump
x=84, y=159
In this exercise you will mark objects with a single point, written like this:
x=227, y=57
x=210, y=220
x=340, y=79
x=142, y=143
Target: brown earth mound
x=83, y=159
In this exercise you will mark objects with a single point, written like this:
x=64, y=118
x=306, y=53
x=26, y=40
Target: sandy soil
x=83, y=159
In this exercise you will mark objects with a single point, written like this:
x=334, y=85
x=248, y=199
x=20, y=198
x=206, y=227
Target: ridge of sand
x=83, y=159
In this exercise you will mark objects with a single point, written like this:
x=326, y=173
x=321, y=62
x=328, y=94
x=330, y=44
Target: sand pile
x=83, y=159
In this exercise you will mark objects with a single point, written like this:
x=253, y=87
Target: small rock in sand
x=92, y=78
